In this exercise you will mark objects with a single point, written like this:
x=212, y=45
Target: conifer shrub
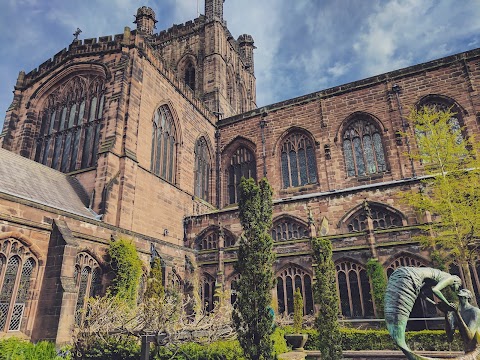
x=297, y=311
x=379, y=284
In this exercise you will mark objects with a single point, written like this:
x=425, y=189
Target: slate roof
x=27, y=179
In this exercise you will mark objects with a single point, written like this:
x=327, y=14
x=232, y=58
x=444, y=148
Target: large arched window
x=208, y=291
x=210, y=239
x=242, y=163
x=71, y=120
x=354, y=290
x=288, y=280
x=163, y=144
x=17, y=270
x=88, y=280
x=202, y=169
x=421, y=308
x=287, y=228
x=190, y=76
x=298, y=161
x=363, y=148
x=382, y=218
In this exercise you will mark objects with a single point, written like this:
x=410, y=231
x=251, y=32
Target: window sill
x=299, y=189
x=372, y=176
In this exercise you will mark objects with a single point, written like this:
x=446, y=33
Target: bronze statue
x=403, y=288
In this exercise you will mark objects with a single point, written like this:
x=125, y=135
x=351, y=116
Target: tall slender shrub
x=252, y=316
x=127, y=266
x=297, y=311
x=379, y=284
x=327, y=298
x=155, y=289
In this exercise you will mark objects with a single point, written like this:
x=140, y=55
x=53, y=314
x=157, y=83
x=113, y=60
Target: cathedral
x=145, y=135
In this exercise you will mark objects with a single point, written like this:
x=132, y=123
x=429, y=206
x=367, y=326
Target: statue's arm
x=467, y=330
x=437, y=289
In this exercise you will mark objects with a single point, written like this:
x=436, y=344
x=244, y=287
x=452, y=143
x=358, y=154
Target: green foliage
x=379, y=284
x=127, y=265
x=297, y=311
x=326, y=296
x=155, y=288
x=252, y=316
x=452, y=194
x=356, y=339
x=17, y=349
x=107, y=347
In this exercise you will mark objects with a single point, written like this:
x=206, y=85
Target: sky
x=302, y=45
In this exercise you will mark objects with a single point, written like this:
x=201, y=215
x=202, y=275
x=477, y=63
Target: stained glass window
x=202, y=169
x=288, y=280
x=354, y=290
x=298, y=161
x=64, y=124
x=242, y=163
x=163, y=144
x=363, y=148
x=16, y=273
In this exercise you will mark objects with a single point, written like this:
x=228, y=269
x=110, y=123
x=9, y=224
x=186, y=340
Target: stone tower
x=145, y=20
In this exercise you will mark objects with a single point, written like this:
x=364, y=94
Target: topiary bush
x=379, y=284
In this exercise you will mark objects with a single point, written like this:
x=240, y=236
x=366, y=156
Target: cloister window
x=363, y=148
x=288, y=280
x=208, y=290
x=382, y=218
x=242, y=163
x=163, y=144
x=209, y=241
x=190, y=76
x=298, y=161
x=421, y=308
x=202, y=169
x=70, y=127
x=354, y=290
x=233, y=289
x=288, y=229
x=88, y=279
x=17, y=271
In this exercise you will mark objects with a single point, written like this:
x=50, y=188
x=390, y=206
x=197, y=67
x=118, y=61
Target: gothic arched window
x=242, y=163
x=354, y=290
x=163, y=144
x=233, y=289
x=421, y=308
x=288, y=280
x=88, y=280
x=71, y=120
x=288, y=229
x=190, y=76
x=202, y=169
x=382, y=218
x=363, y=148
x=17, y=270
x=208, y=241
x=208, y=290
x=299, y=166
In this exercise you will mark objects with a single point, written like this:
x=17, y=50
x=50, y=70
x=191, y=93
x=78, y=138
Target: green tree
x=297, y=311
x=379, y=284
x=127, y=266
x=327, y=298
x=252, y=316
x=155, y=289
x=451, y=192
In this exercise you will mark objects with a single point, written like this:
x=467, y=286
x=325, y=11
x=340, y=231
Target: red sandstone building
x=146, y=136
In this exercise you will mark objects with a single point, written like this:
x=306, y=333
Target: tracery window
x=17, y=271
x=298, y=161
x=209, y=241
x=88, y=280
x=242, y=163
x=70, y=125
x=363, y=148
x=163, y=144
x=288, y=229
x=288, y=280
x=208, y=290
x=381, y=218
x=202, y=169
x=233, y=289
x=354, y=290
x=421, y=308
x=190, y=76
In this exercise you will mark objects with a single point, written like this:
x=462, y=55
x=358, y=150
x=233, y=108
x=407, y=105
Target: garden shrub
x=110, y=348
x=379, y=284
x=17, y=349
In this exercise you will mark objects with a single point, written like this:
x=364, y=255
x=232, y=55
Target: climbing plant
x=327, y=298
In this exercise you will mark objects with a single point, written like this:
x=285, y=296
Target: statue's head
x=465, y=293
x=457, y=282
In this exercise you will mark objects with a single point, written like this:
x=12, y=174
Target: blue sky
x=302, y=45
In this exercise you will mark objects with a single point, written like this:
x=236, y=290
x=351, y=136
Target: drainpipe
x=217, y=162
x=396, y=90
x=263, y=123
